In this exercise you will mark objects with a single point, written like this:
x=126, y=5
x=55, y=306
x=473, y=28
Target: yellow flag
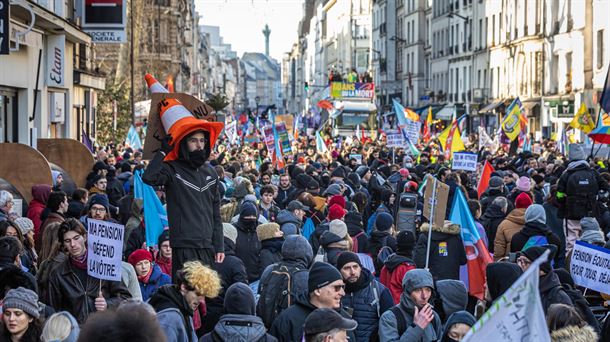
x=456, y=142
x=583, y=120
x=511, y=125
x=429, y=119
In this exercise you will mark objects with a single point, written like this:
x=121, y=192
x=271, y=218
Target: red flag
x=449, y=142
x=485, y=176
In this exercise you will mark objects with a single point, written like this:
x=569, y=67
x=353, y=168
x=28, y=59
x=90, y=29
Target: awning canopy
x=529, y=105
x=355, y=107
x=445, y=113
x=491, y=106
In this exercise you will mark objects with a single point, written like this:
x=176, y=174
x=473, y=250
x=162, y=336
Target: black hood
x=229, y=246
x=534, y=228
x=548, y=281
x=500, y=277
x=353, y=220
x=239, y=300
x=396, y=260
x=183, y=152
x=169, y=297
x=327, y=238
x=493, y=211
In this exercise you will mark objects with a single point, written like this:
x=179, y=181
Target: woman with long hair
x=20, y=316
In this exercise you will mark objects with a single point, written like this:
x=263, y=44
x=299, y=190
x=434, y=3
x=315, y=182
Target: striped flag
x=320, y=144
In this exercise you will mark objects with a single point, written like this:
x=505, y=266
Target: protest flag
x=155, y=215
x=485, y=176
x=427, y=123
x=604, y=100
x=87, y=141
x=451, y=140
x=583, y=120
x=477, y=254
x=402, y=113
x=517, y=315
x=133, y=139
x=511, y=125
x=320, y=144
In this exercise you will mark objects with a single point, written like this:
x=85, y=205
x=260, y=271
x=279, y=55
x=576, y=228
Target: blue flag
x=133, y=139
x=87, y=141
x=155, y=215
x=604, y=101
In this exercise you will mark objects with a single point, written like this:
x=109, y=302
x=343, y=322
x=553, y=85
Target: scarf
x=79, y=262
x=145, y=278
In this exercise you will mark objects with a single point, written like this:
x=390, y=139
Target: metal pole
x=432, y=205
x=132, y=99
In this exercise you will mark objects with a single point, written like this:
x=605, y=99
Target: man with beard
x=284, y=189
x=365, y=298
x=191, y=185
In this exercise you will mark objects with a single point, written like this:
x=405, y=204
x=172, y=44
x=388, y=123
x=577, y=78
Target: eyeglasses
x=338, y=288
x=523, y=261
x=98, y=210
x=76, y=238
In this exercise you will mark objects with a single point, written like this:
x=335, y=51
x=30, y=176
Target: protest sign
x=590, y=267
x=282, y=134
x=231, y=131
x=104, y=249
x=269, y=139
x=439, y=202
x=395, y=140
x=517, y=315
x=411, y=130
x=358, y=158
x=464, y=161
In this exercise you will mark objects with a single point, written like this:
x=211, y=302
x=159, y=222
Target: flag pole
x=432, y=206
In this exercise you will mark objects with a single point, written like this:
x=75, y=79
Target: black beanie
x=535, y=252
x=163, y=237
x=500, y=277
x=347, y=257
x=338, y=172
x=239, y=300
x=322, y=274
x=405, y=242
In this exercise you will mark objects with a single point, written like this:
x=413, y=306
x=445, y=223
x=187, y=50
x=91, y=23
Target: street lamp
x=453, y=14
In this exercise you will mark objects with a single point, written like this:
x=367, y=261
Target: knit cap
x=523, y=201
x=99, y=199
x=405, y=242
x=248, y=209
x=267, y=231
x=24, y=224
x=384, y=221
x=337, y=199
x=347, y=257
x=535, y=213
x=23, y=299
x=524, y=184
x=229, y=231
x=335, y=212
x=163, y=237
x=322, y=274
x=495, y=182
x=338, y=228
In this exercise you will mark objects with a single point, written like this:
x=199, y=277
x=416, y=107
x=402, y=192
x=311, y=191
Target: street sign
x=105, y=20
x=4, y=31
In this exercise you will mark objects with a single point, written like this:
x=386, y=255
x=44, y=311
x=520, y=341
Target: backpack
x=321, y=256
x=276, y=292
x=355, y=247
x=384, y=254
x=308, y=228
x=581, y=191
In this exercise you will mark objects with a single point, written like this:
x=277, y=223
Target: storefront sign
x=58, y=107
x=104, y=249
x=356, y=90
x=105, y=20
x=56, y=55
x=4, y=32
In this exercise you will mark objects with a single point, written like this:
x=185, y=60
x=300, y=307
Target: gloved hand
x=166, y=146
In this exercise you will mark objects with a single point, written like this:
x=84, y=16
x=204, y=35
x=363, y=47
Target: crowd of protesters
x=321, y=249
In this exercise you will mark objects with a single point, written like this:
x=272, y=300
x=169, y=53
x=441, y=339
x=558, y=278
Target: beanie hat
x=267, y=231
x=535, y=213
x=576, y=152
x=24, y=224
x=495, y=182
x=333, y=189
x=248, y=209
x=535, y=252
x=321, y=274
x=163, y=237
x=405, y=242
x=139, y=255
x=338, y=228
x=523, y=201
x=229, y=231
x=589, y=223
x=404, y=173
x=335, y=212
x=337, y=199
x=384, y=221
x=23, y=299
x=524, y=184
x=347, y=257
x=338, y=172
x=99, y=199
x=362, y=170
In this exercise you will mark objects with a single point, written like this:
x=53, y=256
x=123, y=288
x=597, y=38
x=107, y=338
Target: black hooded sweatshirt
x=169, y=297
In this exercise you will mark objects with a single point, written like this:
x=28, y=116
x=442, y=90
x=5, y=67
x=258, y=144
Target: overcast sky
x=241, y=23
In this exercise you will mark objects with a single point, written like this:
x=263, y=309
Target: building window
x=493, y=30
x=600, y=49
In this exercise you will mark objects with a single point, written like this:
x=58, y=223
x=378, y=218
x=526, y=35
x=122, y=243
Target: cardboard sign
x=590, y=267
x=288, y=119
x=439, y=202
x=395, y=140
x=269, y=140
x=199, y=109
x=104, y=249
x=464, y=161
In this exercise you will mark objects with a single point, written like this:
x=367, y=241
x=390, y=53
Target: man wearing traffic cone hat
x=191, y=184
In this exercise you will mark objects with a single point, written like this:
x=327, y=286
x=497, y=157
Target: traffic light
x=306, y=86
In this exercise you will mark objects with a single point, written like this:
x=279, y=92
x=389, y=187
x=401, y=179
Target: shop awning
x=491, y=107
x=445, y=113
x=529, y=105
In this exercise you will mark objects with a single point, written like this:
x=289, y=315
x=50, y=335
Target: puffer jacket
x=67, y=291
x=393, y=272
x=174, y=314
x=447, y=252
x=156, y=280
x=238, y=328
x=367, y=299
x=530, y=229
x=506, y=230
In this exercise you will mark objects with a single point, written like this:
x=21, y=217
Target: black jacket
x=551, y=291
x=533, y=229
x=447, y=252
x=247, y=248
x=353, y=220
x=193, y=202
x=580, y=184
x=490, y=195
x=490, y=220
x=282, y=196
x=271, y=252
x=67, y=292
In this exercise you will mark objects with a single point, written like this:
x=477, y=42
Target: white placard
x=104, y=249
x=464, y=161
x=411, y=131
x=395, y=140
x=358, y=158
x=590, y=267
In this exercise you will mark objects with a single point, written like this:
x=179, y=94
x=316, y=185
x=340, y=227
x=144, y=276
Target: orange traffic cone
x=153, y=85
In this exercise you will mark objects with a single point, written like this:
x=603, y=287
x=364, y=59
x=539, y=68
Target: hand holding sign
x=100, y=301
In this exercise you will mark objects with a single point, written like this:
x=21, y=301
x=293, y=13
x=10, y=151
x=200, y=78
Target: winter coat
x=75, y=209
x=164, y=264
x=378, y=240
x=271, y=252
x=136, y=240
x=271, y=213
x=388, y=324
x=333, y=245
x=447, y=252
x=247, y=248
x=174, y=314
x=393, y=272
x=533, y=229
x=367, y=299
x=314, y=238
x=53, y=217
x=490, y=220
x=193, y=202
x=490, y=195
x=40, y=195
x=282, y=196
x=135, y=219
x=45, y=269
x=156, y=280
x=573, y=333
x=355, y=229
x=72, y=290
x=551, y=291
x=578, y=205
x=289, y=223
x=238, y=328
x=509, y=227
x=114, y=190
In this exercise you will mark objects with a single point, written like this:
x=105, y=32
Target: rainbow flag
x=477, y=254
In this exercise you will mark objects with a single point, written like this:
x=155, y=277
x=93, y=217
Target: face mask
x=198, y=157
x=409, y=165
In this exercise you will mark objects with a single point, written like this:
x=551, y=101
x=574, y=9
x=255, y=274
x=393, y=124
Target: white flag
x=484, y=139
x=517, y=315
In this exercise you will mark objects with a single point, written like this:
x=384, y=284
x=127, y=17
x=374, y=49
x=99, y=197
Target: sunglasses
x=338, y=288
